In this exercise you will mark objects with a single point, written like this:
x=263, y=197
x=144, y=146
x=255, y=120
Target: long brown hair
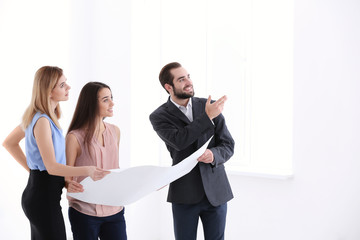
x=45, y=80
x=87, y=110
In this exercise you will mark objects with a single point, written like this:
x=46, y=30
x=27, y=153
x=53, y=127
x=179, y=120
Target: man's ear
x=168, y=87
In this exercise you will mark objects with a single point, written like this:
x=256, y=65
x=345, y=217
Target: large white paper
x=125, y=186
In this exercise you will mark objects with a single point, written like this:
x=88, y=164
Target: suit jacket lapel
x=197, y=107
x=173, y=110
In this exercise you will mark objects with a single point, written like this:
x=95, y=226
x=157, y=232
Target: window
x=239, y=48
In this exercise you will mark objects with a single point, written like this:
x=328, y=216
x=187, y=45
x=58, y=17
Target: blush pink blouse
x=105, y=157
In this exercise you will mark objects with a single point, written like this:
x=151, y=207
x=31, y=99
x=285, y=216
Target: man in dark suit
x=185, y=123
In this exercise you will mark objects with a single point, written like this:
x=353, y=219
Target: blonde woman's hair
x=45, y=81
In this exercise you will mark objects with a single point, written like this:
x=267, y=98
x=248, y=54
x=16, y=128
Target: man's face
x=183, y=87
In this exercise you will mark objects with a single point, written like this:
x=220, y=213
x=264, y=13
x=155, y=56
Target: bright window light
x=242, y=49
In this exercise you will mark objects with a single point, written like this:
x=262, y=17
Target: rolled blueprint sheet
x=124, y=186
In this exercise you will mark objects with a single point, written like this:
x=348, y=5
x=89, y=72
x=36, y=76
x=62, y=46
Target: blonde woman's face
x=61, y=90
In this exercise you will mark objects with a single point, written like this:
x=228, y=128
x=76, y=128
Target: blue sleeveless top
x=33, y=157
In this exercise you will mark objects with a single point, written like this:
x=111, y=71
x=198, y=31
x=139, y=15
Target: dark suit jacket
x=182, y=138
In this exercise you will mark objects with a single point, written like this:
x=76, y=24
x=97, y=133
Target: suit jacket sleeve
x=174, y=134
x=224, y=145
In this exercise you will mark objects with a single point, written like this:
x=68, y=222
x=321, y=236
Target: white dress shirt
x=186, y=110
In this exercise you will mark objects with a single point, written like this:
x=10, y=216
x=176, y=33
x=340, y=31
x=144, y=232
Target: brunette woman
x=92, y=141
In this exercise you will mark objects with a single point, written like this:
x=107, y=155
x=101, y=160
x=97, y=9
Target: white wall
x=321, y=202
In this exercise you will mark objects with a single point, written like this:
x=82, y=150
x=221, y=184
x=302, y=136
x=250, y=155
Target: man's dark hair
x=165, y=75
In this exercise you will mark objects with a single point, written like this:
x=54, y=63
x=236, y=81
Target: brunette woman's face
x=61, y=90
x=105, y=101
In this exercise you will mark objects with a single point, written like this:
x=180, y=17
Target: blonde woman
x=45, y=157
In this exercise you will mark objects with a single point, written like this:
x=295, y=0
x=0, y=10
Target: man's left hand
x=207, y=157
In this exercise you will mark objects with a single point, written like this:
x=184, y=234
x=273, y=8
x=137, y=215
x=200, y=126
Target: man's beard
x=182, y=95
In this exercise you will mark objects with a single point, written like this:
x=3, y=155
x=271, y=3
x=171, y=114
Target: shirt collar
x=178, y=106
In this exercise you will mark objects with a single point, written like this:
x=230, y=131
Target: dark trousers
x=186, y=218
x=85, y=227
x=41, y=204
